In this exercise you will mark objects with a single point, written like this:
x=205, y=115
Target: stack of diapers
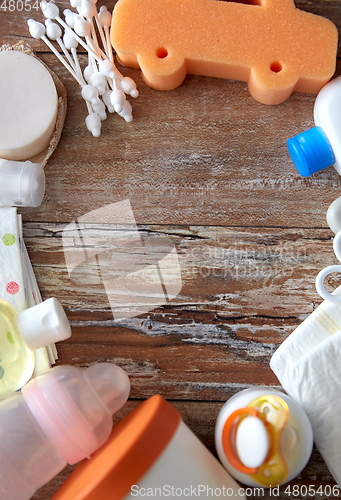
x=308, y=365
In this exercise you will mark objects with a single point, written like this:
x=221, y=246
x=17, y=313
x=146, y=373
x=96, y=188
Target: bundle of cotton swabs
x=103, y=86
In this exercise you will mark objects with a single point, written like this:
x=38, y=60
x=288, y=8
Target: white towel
x=308, y=365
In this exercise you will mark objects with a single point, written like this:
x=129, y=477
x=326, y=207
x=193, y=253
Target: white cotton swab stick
x=83, y=28
x=82, y=23
x=88, y=10
x=89, y=93
x=71, y=44
x=37, y=30
x=70, y=18
x=51, y=11
x=54, y=32
x=100, y=77
x=104, y=19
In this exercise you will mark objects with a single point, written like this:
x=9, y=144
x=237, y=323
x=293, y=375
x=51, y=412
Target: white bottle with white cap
x=22, y=184
x=60, y=417
x=22, y=333
x=263, y=437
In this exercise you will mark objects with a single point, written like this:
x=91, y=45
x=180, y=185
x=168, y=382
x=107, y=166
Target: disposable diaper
x=308, y=365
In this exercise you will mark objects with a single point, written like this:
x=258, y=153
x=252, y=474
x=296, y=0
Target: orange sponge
x=268, y=43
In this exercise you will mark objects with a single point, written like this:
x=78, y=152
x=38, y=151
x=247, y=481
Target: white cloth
x=18, y=285
x=308, y=365
x=12, y=288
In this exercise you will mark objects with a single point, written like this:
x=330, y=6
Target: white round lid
x=252, y=442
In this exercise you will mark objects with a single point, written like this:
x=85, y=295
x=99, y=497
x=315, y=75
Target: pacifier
x=251, y=440
x=21, y=333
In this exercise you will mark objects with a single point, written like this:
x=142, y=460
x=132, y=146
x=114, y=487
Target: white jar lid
x=22, y=184
x=43, y=324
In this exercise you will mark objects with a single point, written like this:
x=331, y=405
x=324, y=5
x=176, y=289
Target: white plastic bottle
x=22, y=184
x=60, y=417
x=320, y=147
x=263, y=437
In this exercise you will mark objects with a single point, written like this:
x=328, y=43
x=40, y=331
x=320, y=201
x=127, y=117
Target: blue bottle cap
x=311, y=151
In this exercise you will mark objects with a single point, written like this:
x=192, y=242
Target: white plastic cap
x=43, y=324
x=22, y=184
x=252, y=442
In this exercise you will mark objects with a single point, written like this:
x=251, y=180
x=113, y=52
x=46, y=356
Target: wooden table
x=207, y=166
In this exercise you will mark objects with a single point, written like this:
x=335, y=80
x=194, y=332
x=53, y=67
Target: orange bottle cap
x=132, y=448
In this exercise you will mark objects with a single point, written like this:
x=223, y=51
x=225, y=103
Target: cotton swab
x=37, y=30
x=54, y=32
x=71, y=44
x=104, y=18
x=51, y=11
x=100, y=78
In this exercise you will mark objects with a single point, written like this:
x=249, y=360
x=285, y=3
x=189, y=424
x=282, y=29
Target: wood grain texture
x=243, y=292
x=207, y=167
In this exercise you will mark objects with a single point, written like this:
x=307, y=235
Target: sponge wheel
x=163, y=69
x=272, y=83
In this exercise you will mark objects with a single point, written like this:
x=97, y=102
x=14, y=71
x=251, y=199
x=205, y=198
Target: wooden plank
x=231, y=166
x=208, y=167
x=232, y=269
x=243, y=292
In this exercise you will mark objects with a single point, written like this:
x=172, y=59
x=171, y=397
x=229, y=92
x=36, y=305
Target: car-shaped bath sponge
x=270, y=44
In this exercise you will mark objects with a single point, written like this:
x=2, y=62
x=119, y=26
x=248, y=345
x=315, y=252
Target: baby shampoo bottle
x=263, y=437
x=320, y=146
x=22, y=333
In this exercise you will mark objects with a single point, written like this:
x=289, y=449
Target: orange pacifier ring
x=229, y=438
x=274, y=413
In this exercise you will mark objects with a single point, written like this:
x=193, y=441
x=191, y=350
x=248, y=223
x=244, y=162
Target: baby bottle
x=21, y=333
x=22, y=184
x=60, y=417
x=263, y=437
x=150, y=453
x=320, y=146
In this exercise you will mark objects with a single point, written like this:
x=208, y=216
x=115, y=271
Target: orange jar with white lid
x=151, y=452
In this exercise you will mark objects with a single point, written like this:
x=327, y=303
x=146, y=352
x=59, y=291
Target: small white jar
x=250, y=429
